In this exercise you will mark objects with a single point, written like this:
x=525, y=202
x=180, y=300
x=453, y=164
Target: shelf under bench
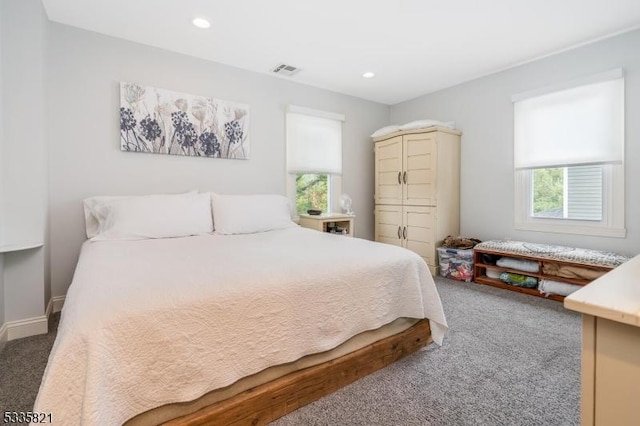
x=483, y=279
x=601, y=262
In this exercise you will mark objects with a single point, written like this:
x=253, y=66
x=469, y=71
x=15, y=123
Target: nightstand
x=335, y=223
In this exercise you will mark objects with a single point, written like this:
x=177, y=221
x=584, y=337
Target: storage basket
x=456, y=264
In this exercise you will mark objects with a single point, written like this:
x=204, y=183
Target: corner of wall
x=3, y=325
x=3, y=336
x=23, y=176
x=3, y=328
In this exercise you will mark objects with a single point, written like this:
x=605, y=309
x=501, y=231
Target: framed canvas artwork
x=165, y=122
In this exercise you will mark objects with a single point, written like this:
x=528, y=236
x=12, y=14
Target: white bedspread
x=151, y=322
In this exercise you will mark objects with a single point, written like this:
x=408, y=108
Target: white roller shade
x=577, y=126
x=314, y=144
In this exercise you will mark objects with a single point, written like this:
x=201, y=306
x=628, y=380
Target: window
x=312, y=192
x=567, y=192
x=569, y=157
x=314, y=158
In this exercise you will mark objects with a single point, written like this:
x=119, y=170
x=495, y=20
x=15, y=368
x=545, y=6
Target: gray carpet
x=22, y=364
x=508, y=359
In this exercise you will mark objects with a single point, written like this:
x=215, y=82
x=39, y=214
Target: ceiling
x=414, y=47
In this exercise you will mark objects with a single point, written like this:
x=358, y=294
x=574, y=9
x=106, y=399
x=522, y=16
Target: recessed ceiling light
x=368, y=75
x=201, y=23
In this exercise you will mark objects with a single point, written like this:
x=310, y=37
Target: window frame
x=334, y=184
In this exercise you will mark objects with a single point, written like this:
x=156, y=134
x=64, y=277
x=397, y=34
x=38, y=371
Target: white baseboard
x=31, y=326
x=27, y=327
x=47, y=312
x=57, y=302
x=4, y=336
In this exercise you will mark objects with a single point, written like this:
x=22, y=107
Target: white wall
x=2, y=296
x=482, y=110
x=83, y=74
x=23, y=168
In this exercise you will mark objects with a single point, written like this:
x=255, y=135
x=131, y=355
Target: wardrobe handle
x=404, y=177
x=399, y=233
x=404, y=232
x=399, y=177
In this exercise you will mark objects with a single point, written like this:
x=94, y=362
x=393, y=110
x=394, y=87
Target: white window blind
x=314, y=141
x=576, y=126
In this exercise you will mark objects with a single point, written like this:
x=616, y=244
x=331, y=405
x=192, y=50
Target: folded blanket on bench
x=518, y=264
x=548, y=287
x=570, y=271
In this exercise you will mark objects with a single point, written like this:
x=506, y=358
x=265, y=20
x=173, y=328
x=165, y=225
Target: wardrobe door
x=418, y=231
x=419, y=169
x=388, y=224
x=388, y=171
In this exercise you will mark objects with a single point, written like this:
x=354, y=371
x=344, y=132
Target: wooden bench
x=570, y=265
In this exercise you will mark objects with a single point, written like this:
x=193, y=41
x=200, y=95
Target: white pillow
x=421, y=124
x=151, y=216
x=92, y=215
x=385, y=131
x=247, y=214
x=93, y=207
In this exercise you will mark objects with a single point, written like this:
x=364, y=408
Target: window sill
x=559, y=228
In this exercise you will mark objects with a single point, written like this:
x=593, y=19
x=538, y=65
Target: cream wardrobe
x=417, y=189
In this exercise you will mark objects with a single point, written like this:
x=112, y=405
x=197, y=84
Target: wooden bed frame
x=265, y=403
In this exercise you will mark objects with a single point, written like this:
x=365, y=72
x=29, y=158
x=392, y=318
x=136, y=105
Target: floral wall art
x=165, y=122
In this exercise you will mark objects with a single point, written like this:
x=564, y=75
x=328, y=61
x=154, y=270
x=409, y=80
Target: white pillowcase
x=248, y=214
x=150, y=216
x=94, y=206
x=92, y=213
x=385, y=131
x=421, y=124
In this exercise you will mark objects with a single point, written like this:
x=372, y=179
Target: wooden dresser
x=610, y=308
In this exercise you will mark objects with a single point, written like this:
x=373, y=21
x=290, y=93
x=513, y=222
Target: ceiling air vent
x=286, y=70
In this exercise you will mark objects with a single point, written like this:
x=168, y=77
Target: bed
x=156, y=328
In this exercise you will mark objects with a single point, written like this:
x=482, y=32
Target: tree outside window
x=548, y=191
x=312, y=192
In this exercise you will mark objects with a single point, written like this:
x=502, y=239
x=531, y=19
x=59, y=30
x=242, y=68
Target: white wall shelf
x=6, y=248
